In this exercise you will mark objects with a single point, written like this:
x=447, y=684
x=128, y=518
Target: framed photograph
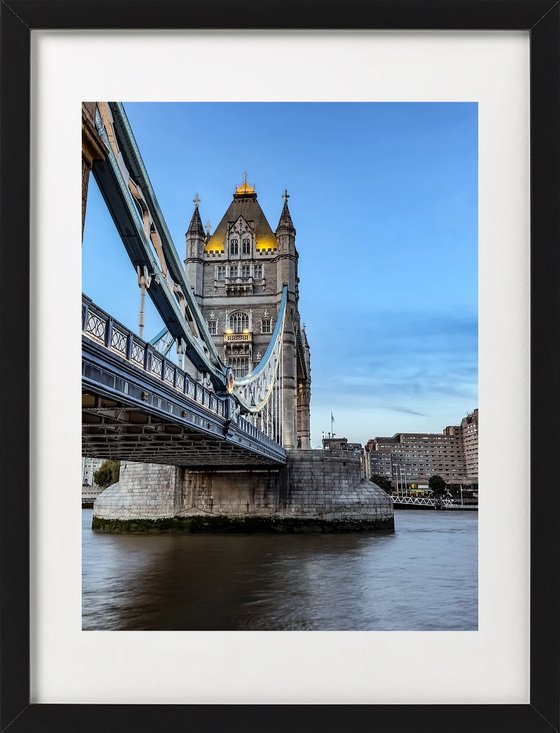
x=363, y=195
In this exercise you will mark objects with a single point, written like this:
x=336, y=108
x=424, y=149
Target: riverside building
x=89, y=467
x=409, y=459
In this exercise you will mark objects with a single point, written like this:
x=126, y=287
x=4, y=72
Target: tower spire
x=285, y=221
x=195, y=227
x=195, y=241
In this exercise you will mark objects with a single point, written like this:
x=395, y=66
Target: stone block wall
x=315, y=485
x=232, y=493
x=144, y=491
x=329, y=484
x=317, y=488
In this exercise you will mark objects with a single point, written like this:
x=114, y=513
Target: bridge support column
x=145, y=493
x=317, y=491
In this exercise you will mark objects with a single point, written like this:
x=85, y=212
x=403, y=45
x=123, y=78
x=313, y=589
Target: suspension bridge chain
x=126, y=188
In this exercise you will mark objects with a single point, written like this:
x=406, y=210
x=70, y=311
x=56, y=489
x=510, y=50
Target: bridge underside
x=114, y=430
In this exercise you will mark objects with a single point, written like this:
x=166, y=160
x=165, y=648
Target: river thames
x=422, y=577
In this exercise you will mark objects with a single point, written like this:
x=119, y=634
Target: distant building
x=341, y=444
x=89, y=467
x=469, y=432
x=411, y=458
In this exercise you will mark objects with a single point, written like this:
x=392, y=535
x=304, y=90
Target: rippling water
x=423, y=577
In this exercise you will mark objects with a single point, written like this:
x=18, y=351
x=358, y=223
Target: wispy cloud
x=423, y=365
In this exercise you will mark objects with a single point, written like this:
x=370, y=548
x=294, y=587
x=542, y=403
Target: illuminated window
x=239, y=322
x=234, y=247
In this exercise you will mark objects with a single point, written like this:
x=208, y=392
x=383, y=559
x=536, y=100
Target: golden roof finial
x=244, y=187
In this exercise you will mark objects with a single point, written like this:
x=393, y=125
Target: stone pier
x=317, y=491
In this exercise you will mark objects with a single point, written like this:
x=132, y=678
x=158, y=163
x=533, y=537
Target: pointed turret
x=195, y=241
x=285, y=224
x=286, y=233
x=195, y=227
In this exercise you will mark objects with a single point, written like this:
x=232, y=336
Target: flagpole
x=332, y=423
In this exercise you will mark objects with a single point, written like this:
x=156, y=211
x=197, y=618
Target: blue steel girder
x=138, y=171
x=118, y=365
x=128, y=393
x=162, y=341
x=112, y=176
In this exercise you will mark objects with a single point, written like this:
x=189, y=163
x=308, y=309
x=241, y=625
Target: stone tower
x=237, y=274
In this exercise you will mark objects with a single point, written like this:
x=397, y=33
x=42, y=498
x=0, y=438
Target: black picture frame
x=541, y=18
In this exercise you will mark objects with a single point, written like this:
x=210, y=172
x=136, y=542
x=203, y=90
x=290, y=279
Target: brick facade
x=414, y=457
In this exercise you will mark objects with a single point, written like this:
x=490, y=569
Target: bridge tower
x=238, y=273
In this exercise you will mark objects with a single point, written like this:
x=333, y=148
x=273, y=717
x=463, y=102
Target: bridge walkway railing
x=106, y=331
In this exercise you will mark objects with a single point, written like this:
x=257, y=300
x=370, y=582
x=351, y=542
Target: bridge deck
x=139, y=406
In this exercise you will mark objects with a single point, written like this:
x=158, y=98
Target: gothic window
x=233, y=271
x=266, y=325
x=245, y=270
x=239, y=322
x=213, y=327
x=246, y=246
x=221, y=272
x=239, y=365
x=258, y=272
x=234, y=246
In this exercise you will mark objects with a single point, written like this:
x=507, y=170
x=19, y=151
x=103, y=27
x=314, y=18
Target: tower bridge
x=224, y=432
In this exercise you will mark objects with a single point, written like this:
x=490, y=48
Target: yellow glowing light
x=264, y=243
x=244, y=188
x=245, y=330
x=228, y=330
x=214, y=246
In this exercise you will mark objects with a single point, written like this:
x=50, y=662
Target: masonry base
x=317, y=491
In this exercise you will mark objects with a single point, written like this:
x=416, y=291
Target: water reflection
x=423, y=577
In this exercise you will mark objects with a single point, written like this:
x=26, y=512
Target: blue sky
x=384, y=200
